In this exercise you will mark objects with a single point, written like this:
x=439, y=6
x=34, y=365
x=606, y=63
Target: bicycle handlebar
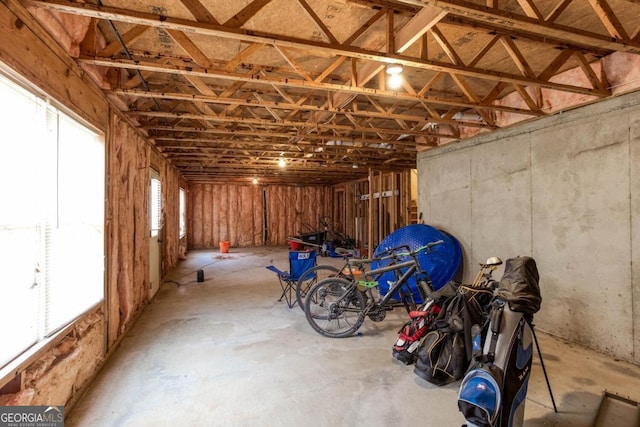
x=391, y=253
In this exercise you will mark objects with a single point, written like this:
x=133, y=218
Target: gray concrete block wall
x=565, y=190
x=634, y=162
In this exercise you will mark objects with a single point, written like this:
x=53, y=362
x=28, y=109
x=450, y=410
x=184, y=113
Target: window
x=183, y=213
x=155, y=204
x=51, y=220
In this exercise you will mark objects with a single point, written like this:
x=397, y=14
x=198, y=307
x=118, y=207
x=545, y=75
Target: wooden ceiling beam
x=127, y=38
x=199, y=12
x=294, y=64
x=446, y=46
x=526, y=98
x=530, y=9
x=103, y=12
x=241, y=56
x=517, y=57
x=364, y=27
x=225, y=100
x=514, y=22
x=330, y=69
x=327, y=150
x=188, y=46
x=312, y=14
x=267, y=124
x=346, y=88
x=557, y=10
x=291, y=82
x=609, y=19
x=248, y=12
x=423, y=21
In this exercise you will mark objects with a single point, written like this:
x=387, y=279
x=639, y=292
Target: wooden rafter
x=446, y=46
x=127, y=38
x=181, y=70
x=517, y=57
x=530, y=9
x=242, y=56
x=254, y=36
x=510, y=21
x=297, y=68
x=225, y=94
x=364, y=27
x=312, y=14
x=609, y=19
x=199, y=11
x=241, y=18
x=222, y=99
x=192, y=50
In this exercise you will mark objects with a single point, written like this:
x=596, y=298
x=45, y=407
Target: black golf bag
x=494, y=390
x=445, y=351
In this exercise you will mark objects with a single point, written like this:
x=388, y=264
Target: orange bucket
x=224, y=247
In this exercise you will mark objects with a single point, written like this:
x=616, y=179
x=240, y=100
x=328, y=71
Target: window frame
x=62, y=128
x=182, y=228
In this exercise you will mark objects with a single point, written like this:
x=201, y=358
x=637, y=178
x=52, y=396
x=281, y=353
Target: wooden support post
x=380, y=213
x=370, y=216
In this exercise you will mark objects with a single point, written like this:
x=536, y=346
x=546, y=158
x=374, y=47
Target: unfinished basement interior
x=162, y=161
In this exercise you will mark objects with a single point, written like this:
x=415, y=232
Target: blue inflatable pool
x=441, y=263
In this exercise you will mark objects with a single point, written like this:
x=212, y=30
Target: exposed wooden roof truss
x=224, y=89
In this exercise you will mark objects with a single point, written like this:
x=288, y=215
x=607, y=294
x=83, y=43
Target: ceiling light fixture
x=395, y=75
x=395, y=81
x=394, y=69
x=282, y=163
x=255, y=180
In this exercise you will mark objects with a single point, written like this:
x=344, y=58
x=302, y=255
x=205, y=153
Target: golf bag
x=493, y=392
x=412, y=331
x=445, y=351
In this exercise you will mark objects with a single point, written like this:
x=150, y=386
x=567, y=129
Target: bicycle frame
x=336, y=307
x=412, y=265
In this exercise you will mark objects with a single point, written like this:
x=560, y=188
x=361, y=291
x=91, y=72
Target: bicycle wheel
x=334, y=307
x=310, y=278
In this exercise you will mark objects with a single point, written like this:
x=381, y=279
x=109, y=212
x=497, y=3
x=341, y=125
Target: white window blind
x=51, y=220
x=183, y=213
x=155, y=203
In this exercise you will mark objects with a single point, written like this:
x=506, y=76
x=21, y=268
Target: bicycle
x=337, y=306
x=310, y=278
x=316, y=274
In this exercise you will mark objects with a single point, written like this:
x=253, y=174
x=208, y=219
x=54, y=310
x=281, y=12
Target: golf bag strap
x=495, y=321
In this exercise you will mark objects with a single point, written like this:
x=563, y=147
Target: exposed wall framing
x=294, y=210
x=248, y=215
x=220, y=212
x=372, y=208
x=57, y=371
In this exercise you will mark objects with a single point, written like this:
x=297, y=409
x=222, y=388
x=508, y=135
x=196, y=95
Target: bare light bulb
x=395, y=81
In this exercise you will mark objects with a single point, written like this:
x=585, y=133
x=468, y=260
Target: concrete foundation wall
x=566, y=191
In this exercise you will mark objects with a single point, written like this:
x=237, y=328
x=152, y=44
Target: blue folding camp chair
x=299, y=262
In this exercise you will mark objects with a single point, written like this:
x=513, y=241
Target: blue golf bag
x=494, y=389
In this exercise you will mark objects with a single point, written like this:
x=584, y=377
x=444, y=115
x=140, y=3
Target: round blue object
x=441, y=263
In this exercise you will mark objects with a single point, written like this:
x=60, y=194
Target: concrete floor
x=225, y=352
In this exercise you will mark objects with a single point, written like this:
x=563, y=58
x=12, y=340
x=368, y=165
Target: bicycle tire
x=310, y=278
x=335, y=308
